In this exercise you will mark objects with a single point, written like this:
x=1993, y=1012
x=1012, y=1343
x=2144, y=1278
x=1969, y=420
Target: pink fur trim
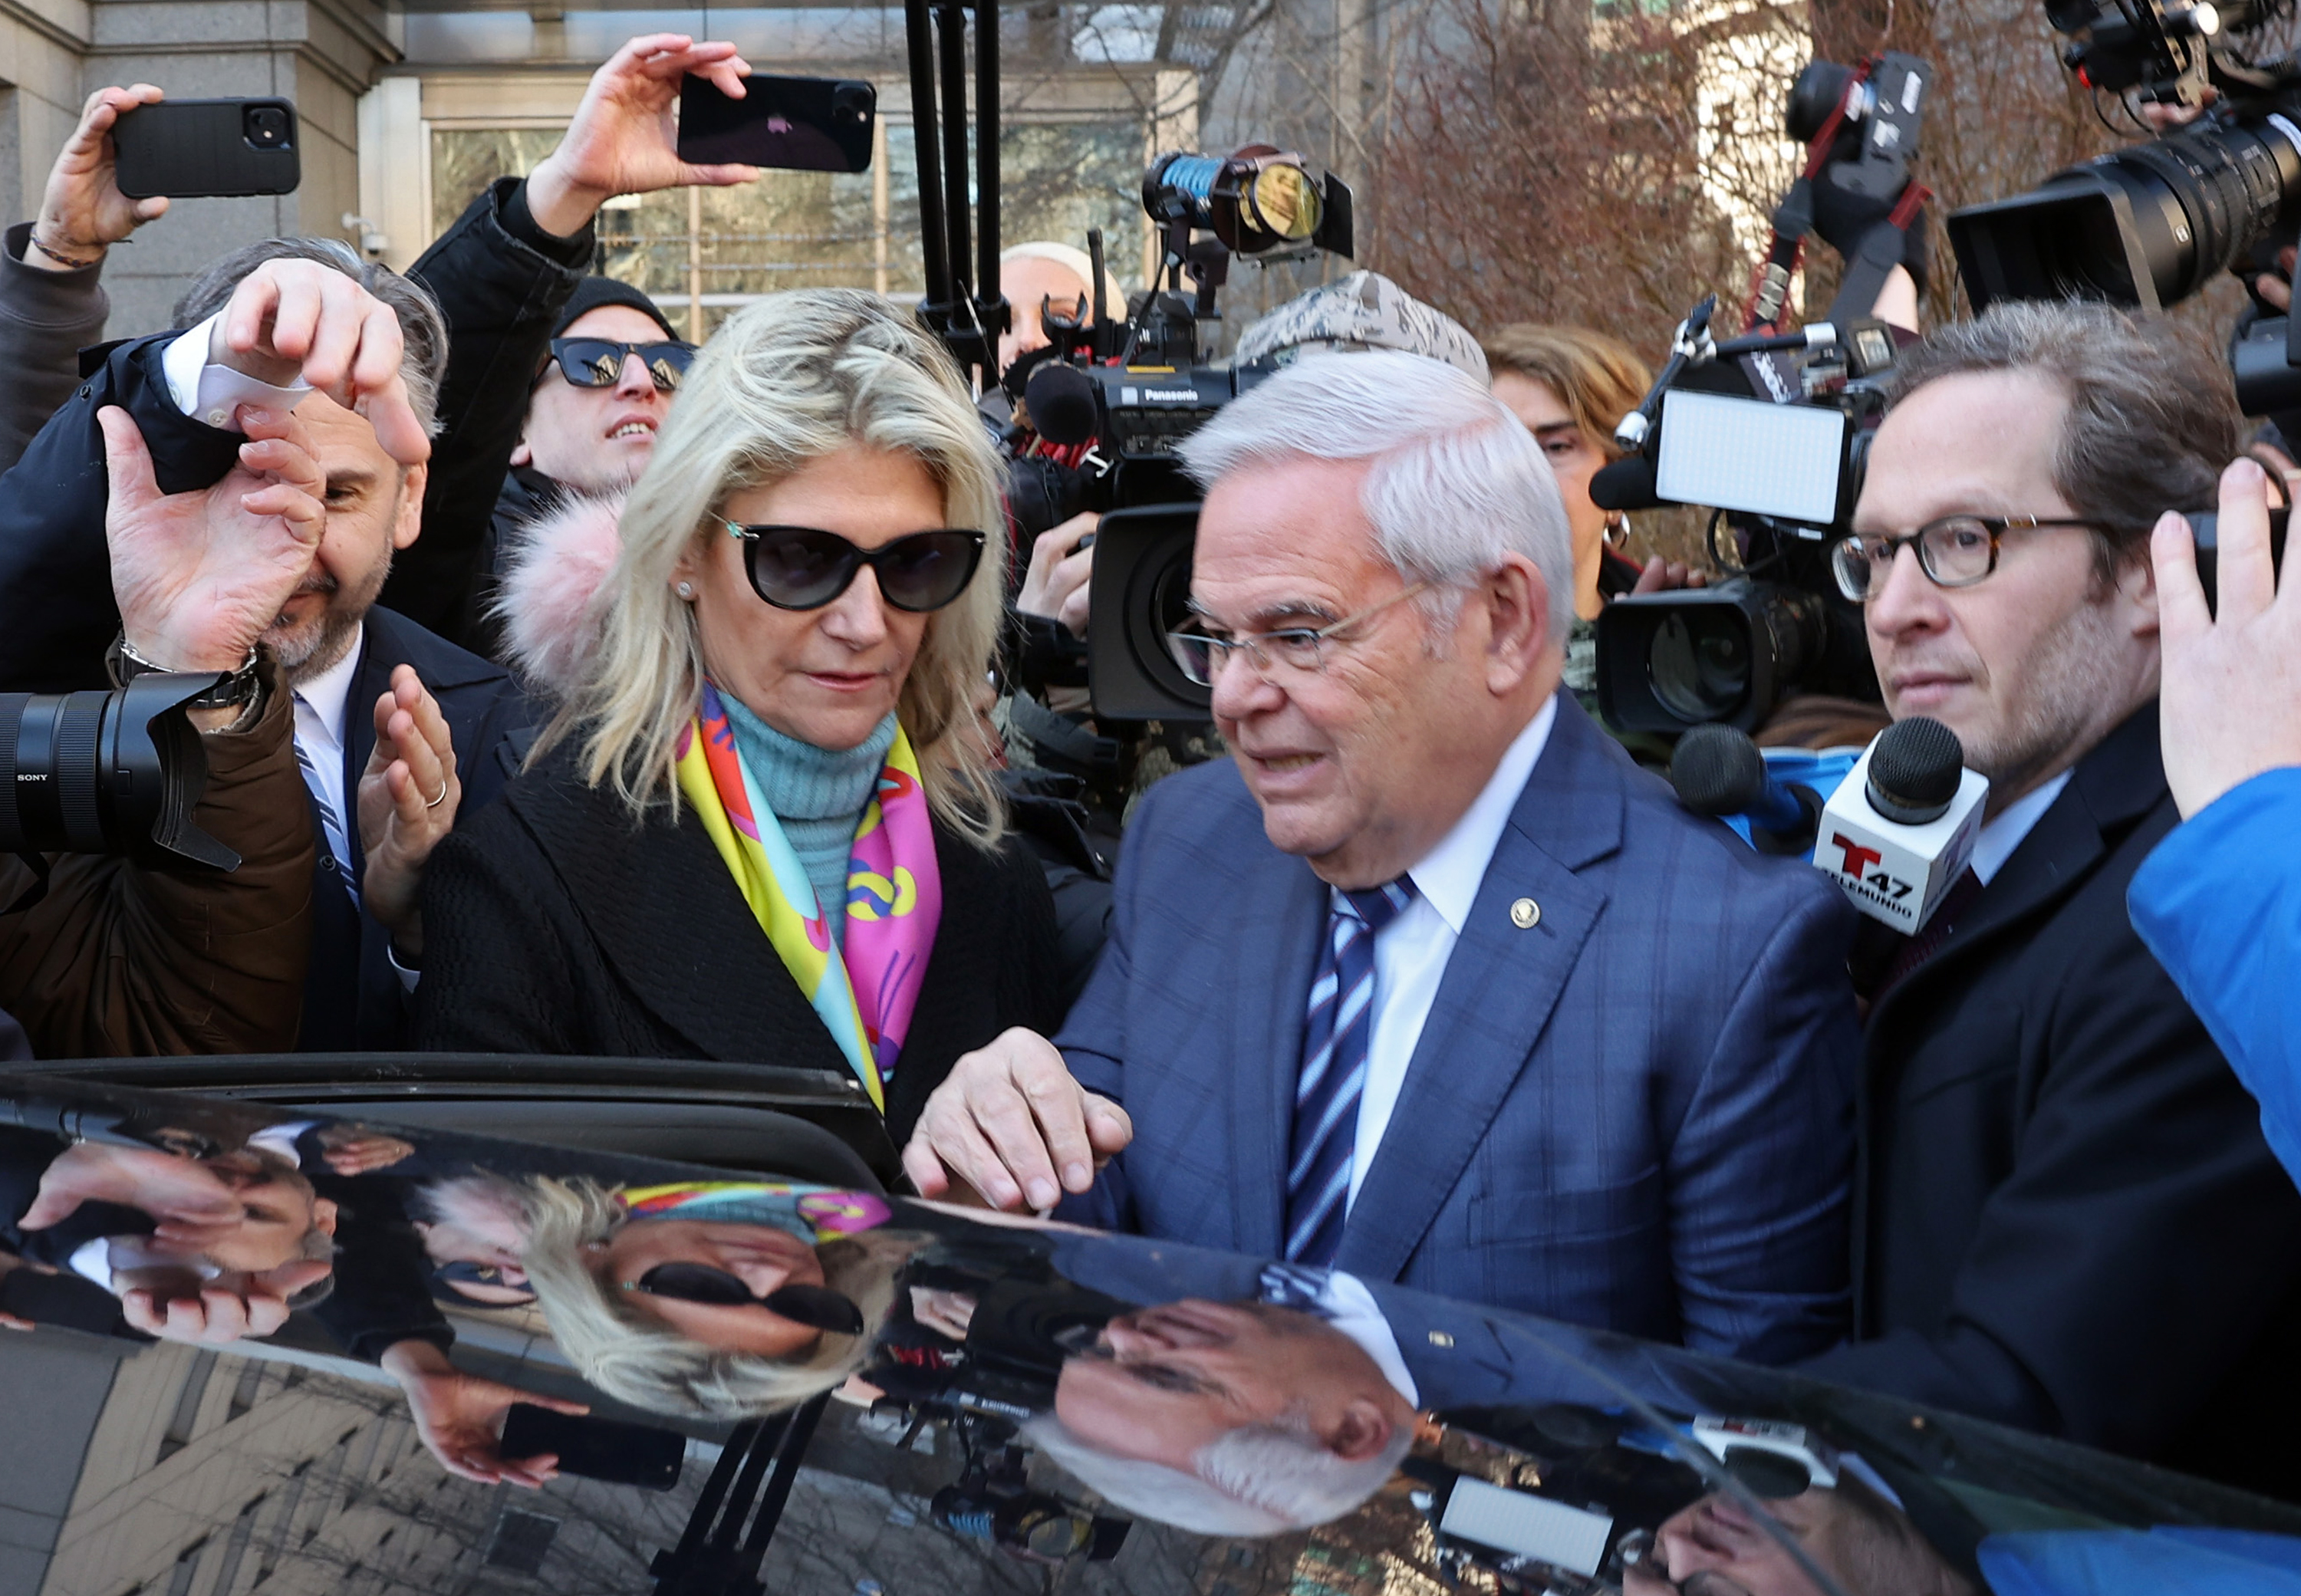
x=551, y=582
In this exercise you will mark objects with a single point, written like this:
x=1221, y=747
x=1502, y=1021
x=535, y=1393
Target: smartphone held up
x=793, y=124
x=203, y=149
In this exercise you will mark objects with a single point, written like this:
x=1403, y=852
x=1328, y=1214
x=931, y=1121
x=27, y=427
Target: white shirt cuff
x=211, y=392
x=407, y=977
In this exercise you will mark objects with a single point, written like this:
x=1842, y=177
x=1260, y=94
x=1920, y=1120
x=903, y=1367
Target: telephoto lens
x=2147, y=226
x=106, y=772
x=1668, y=661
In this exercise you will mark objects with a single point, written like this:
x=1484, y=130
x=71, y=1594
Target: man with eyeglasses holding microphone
x=1429, y=983
x=2070, y=1220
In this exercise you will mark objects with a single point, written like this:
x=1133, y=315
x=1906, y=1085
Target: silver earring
x=687, y=589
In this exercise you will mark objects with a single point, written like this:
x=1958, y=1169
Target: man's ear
x=1517, y=614
x=2136, y=588
x=408, y=525
x=520, y=454
x=323, y=1216
x=1362, y=1432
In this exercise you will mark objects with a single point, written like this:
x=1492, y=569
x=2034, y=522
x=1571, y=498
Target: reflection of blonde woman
x=711, y=1299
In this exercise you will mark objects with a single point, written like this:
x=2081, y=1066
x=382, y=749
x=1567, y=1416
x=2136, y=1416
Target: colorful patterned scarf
x=822, y=1213
x=894, y=892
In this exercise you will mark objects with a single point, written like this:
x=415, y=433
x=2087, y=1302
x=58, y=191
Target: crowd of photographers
x=566, y=690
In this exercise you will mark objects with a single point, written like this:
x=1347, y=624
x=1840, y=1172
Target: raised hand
x=199, y=576
x=83, y=212
x=224, y=1310
x=408, y=801
x=460, y=1418
x=174, y=1191
x=290, y=319
x=2230, y=702
x=625, y=139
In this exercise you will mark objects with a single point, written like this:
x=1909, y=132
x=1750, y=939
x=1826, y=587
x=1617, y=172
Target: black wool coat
x=553, y=922
x=2068, y=1219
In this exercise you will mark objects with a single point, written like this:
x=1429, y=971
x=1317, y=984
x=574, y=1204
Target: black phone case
x=197, y=149
x=793, y=124
x=596, y=1448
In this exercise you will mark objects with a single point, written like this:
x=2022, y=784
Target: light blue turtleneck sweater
x=817, y=796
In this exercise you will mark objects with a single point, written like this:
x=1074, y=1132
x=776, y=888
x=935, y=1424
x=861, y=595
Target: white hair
x=1456, y=481
x=1258, y=1480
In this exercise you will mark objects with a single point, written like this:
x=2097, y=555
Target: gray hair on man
x=1256, y=1480
x=1456, y=483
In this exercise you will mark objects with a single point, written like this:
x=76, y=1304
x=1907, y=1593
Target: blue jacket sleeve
x=2219, y=903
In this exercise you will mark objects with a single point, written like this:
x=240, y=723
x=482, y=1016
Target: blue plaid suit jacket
x=1636, y=1115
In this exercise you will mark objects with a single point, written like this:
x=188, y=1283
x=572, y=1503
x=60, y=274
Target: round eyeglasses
x=1201, y=655
x=804, y=567
x=1956, y=551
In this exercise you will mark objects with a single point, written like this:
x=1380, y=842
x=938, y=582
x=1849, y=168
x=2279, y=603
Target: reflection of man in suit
x=1432, y=984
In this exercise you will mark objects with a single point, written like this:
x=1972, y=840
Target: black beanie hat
x=593, y=292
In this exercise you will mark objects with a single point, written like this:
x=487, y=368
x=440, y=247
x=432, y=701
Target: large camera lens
x=1723, y=655
x=1142, y=591
x=1699, y=663
x=2147, y=226
x=98, y=773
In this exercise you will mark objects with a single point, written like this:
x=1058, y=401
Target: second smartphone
x=796, y=124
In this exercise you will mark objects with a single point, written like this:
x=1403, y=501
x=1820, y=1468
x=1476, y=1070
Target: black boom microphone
x=1060, y=399
x=1718, y=771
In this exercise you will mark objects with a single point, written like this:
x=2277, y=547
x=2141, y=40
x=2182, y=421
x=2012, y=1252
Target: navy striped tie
x=1334, y=1070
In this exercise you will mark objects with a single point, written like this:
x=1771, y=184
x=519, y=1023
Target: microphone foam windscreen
x=1627, y=484
x=1060, y=399
x=1915, y=770
x=1718, y=771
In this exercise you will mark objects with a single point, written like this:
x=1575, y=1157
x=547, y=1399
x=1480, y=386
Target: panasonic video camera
x=1103, y=410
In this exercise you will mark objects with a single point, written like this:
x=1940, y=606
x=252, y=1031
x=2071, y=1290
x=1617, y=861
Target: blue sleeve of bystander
x=2219, y=903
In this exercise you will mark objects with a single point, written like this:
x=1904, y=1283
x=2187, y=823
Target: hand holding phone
x=83, y=213
x=621, y=138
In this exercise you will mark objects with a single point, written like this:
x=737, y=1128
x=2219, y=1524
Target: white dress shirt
x=2001, y=836
x=1411, y=953
x=209, y=391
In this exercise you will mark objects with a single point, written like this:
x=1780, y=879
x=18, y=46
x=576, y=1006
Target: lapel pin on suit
x=1526, y=914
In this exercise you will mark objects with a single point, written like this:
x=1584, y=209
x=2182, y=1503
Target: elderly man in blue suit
x=1431, y=984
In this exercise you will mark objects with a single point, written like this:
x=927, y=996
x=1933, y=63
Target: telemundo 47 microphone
x=1898, y=830
x=1718, y=771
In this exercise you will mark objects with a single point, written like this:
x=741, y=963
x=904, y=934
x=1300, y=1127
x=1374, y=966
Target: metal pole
x=921, y=49
x=950, y=37
x=991, y=310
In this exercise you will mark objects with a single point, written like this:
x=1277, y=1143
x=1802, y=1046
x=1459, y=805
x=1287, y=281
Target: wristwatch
x=236, y=690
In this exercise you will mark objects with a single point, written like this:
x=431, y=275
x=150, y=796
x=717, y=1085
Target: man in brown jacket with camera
x=119, y=958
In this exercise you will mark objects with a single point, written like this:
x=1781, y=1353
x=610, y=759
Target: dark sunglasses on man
x=804, y=567
x=598, y=362
x=818, y=1308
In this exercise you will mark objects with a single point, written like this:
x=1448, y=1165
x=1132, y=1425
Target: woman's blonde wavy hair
x=634, y=1356
x=789, y=380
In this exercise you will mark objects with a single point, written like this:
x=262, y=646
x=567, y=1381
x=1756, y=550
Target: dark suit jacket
x=352, y=999
x=554, y=923
x=2070, y=1220
x=1636, y=1115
